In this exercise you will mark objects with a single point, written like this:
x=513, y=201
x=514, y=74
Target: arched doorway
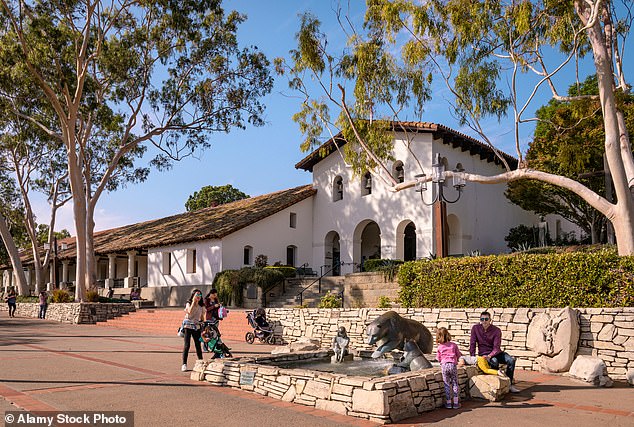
x=406, y=241
x=332, y=255
x=409, y=243
x=367, y=242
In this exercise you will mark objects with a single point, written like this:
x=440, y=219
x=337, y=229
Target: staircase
x=165, y=321
x=288, y=295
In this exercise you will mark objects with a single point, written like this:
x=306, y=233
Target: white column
x=51, y=276
x=65, y=271
x=128, y=282
x=109, y=282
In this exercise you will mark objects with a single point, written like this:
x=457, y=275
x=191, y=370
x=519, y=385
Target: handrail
x=301, y=293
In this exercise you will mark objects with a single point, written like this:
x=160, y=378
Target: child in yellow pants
x=482, y=363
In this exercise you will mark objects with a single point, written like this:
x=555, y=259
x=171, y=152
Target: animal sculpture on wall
x=555, y=337
x=389, y=331
x=340, y=344
x=413, y=359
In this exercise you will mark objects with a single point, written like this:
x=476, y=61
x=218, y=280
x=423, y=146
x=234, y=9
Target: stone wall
x=77, y=313
x=607, y=333
x=365, y=289
x=383, y=399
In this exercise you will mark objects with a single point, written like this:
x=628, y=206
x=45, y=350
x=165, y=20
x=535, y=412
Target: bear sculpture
x=389, y=331
x=413, y=359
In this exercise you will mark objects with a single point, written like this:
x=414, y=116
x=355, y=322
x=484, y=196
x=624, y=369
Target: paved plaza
x=57, y=367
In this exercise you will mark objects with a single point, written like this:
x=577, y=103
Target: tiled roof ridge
x=315, y=155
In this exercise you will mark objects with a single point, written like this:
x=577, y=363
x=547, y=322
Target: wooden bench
x=121, y=293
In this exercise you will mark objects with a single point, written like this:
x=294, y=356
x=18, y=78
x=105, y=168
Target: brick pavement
x=52, y=366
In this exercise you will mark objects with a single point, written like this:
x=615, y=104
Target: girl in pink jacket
x=448, y=354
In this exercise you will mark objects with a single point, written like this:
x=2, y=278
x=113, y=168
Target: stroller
x=261, y=328
x=210, y=338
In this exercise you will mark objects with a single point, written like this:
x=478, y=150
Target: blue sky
x=257, y=160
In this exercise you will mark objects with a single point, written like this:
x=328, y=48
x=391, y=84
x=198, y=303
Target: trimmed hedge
x=596, y=279
x=286, y=270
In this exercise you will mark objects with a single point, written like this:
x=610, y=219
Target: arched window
x=248, y=255
x=398, y=171
x=337, y=189
x=366, y=184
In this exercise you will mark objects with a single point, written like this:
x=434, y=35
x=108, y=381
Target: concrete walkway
x=51, y=366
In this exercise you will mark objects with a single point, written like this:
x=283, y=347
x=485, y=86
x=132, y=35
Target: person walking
x=43, y=305
x=194, y=315
x=447, y=354
x=488, y=339
x=10, y=299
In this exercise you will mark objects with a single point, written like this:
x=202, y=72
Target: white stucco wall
x=478, y=221
x=208, y=263
x=271, y=236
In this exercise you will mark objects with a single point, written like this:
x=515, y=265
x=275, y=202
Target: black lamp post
x=440, y=200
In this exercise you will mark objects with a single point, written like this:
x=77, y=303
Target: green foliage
x=61, y=295
x=261, y=261
x=389, y=267
x=42, y=233
x=384, y=302
x=380, y=264
x=569, y=141
x=286, y=270
x=210, y=195
x=330, y=300
x=24, y=298
x=598, y=278
x=523, y=237
x=92, y=296
x=230, y=283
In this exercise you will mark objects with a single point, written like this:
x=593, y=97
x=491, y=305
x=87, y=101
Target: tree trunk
x=623, y=215
x=79, y=211
x=14, y=256
x=91, y=264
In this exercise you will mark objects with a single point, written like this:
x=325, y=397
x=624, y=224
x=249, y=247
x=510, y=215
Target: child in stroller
x=261, y=328
x=210, y=337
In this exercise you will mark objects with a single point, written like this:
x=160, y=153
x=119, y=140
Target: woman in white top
x=194, y=314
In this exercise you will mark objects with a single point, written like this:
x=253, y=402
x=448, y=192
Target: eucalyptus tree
x=486, y=53
x=568, y=141
x=11, y=226
x=122, y=76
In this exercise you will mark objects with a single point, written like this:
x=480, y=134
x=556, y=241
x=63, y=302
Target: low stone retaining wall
x=607, y=333
x=384, y=399
x=73, y=312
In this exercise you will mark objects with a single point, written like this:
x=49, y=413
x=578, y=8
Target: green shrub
x=61, y=295
x=384, y=302
x=580, y=279
x=25, y=298
x=380, y=264
x=92, y=296
x=330, y=300
x=286, y=270
x=230, y=283
x=261, y=261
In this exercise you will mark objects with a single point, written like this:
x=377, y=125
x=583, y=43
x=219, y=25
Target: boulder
x=590, y=369
x=630, y=377
x=200, y=366
x=488, y=387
